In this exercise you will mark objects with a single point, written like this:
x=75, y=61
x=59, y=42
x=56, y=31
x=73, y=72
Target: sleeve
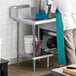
x=54, y=6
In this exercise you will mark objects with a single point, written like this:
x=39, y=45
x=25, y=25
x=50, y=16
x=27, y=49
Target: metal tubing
x=34, y=65
x=38, y=34
x=47, y=62
x=33, y=28
x=18, y=43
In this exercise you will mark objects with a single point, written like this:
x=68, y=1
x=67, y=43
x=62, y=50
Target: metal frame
x=33, y=24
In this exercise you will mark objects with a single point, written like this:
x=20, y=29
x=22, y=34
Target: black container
x=52, y=42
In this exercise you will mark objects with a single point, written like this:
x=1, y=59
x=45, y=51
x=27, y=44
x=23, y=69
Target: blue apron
x=60, y=39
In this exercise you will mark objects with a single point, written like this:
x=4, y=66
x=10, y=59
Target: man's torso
x=68, y=12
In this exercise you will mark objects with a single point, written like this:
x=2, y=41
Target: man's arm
x=53, y=8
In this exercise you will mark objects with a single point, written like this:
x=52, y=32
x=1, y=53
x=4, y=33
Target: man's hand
x=51, y=14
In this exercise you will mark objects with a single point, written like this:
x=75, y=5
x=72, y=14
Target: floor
x=25, y=68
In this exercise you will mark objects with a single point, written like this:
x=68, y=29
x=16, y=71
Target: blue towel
x=41, y=16
x=60, y=39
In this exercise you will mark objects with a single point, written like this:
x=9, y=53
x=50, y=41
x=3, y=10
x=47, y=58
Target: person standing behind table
x=66, y=8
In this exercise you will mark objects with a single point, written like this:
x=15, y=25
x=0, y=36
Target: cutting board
x=71, y=72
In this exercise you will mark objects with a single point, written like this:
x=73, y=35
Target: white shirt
x=67, y=9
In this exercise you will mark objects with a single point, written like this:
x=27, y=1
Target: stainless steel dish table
x=33, y=23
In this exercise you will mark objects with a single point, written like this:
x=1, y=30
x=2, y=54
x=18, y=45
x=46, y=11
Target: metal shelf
x=42, y=55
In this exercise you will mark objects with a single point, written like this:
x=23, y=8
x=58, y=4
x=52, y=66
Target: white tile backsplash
x=8, y=28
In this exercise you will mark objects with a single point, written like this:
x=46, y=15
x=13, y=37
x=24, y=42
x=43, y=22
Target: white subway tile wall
x=8, y=28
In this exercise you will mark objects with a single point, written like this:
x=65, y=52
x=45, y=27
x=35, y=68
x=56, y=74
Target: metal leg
x=38, y=34
x=34, y=65
x=18, y=43
x=33, y=28
x=47, y=62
